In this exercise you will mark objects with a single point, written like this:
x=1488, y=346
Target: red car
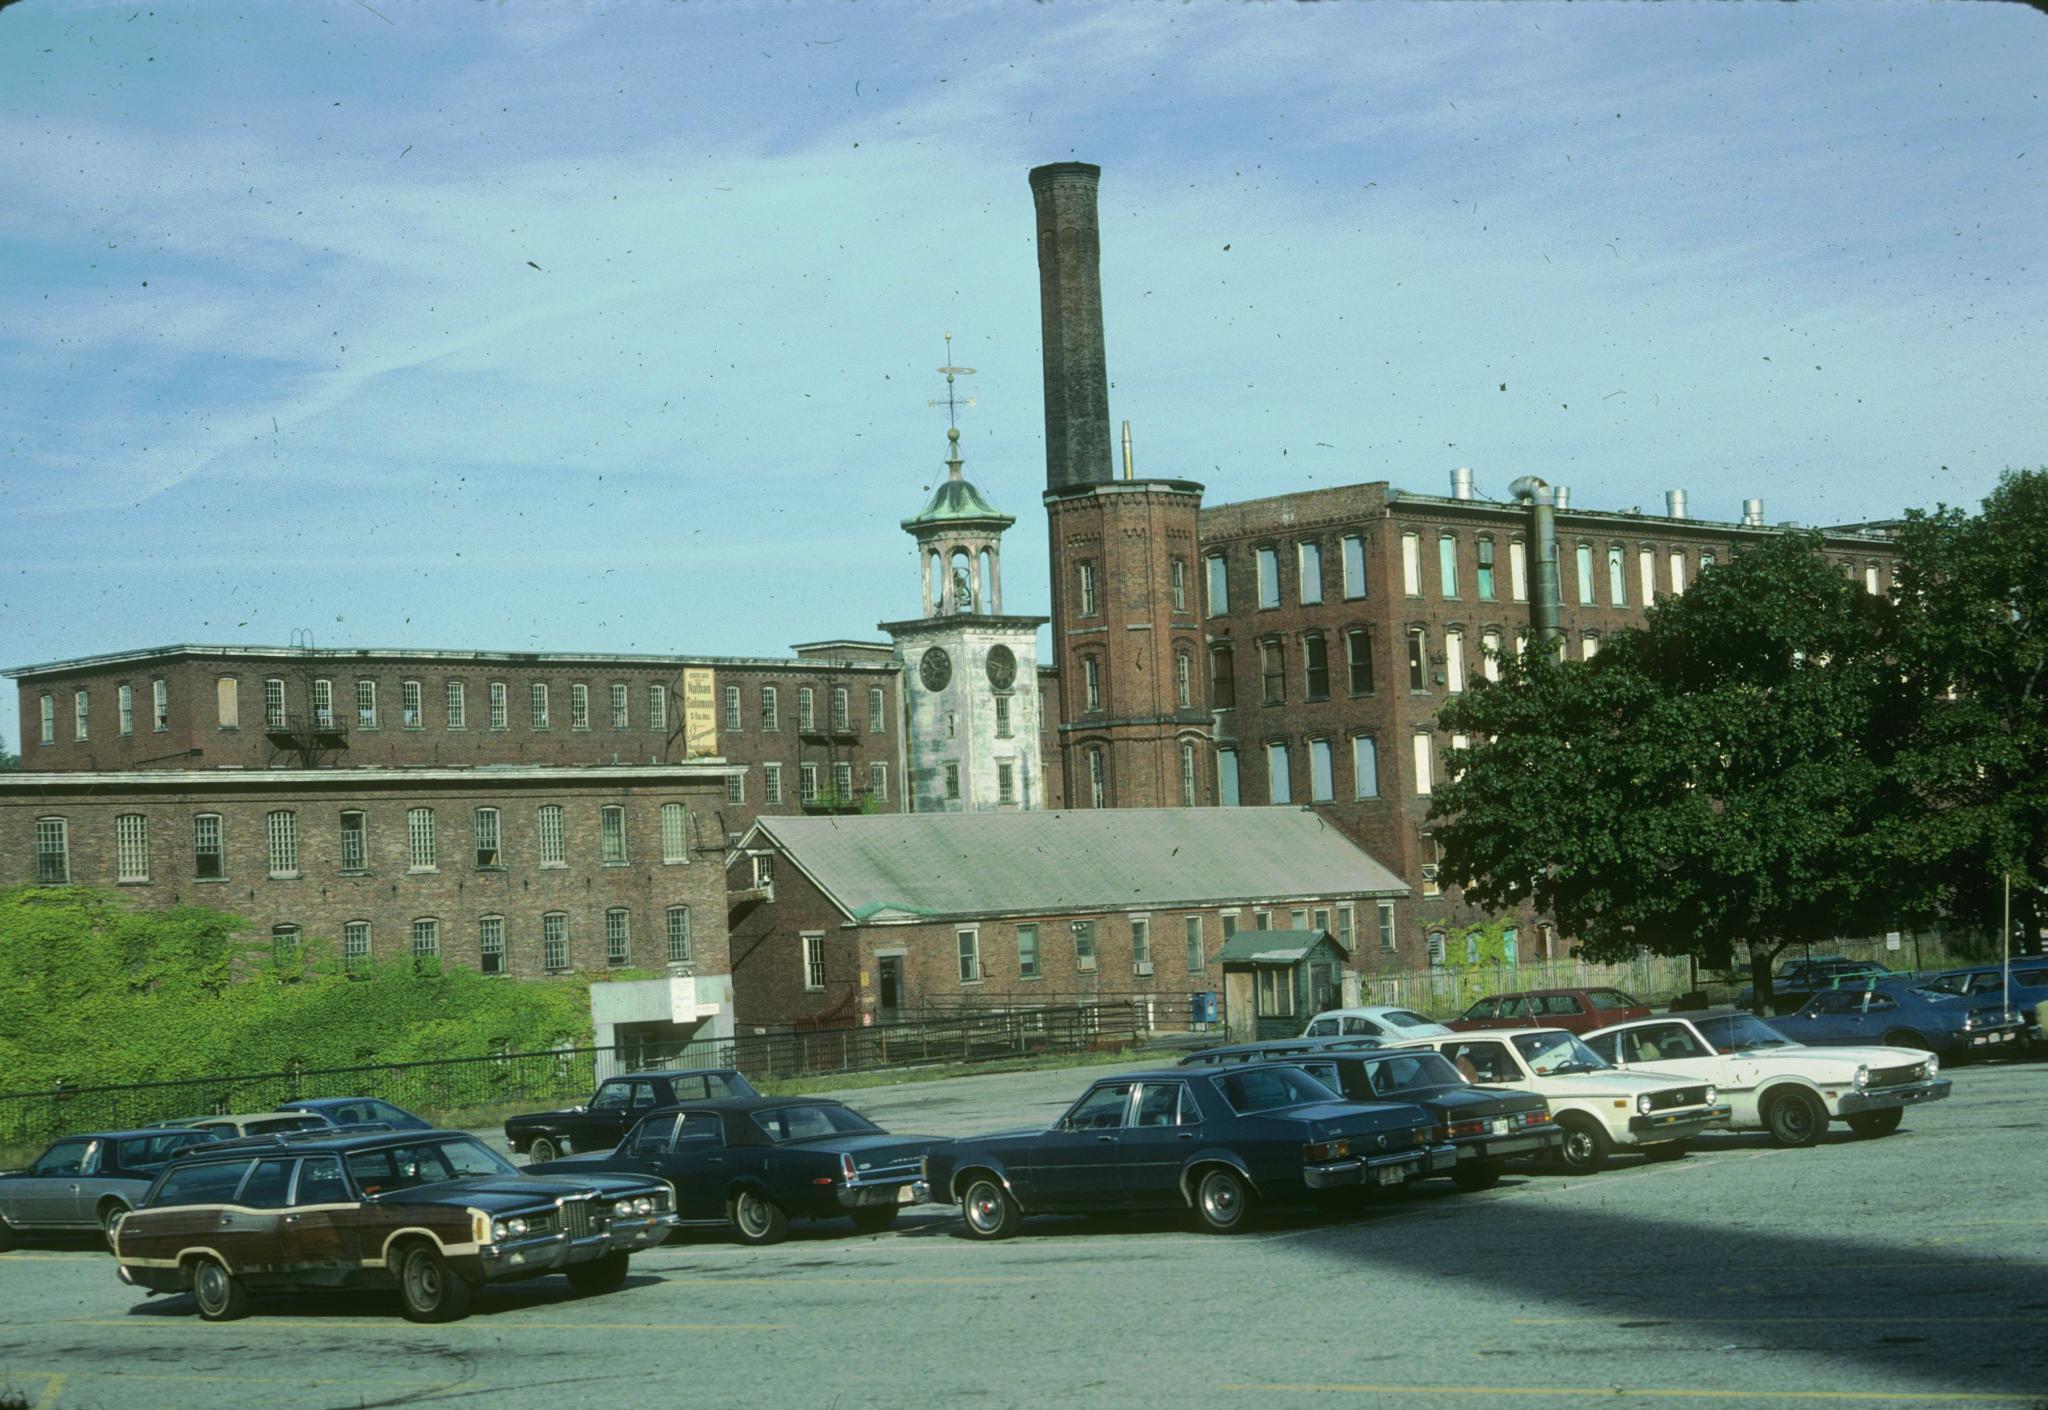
x=1579, y=1010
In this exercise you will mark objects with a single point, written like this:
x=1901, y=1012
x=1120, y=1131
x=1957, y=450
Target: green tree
x=9, y=762
x=1971, y=591
x=1725, y=775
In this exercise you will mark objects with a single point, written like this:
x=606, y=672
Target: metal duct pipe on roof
x=1544, y=599
x=1753, y=513
x=1561, y=496
x=1674, y=504
x=1461, y=483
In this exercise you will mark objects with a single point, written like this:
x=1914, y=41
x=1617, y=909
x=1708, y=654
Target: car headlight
x=1933, y=1065
x=1643, y=1104
x=1863, y=1074
x=1710, y=1094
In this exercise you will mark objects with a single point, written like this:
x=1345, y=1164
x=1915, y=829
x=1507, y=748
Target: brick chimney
x=1077, y=444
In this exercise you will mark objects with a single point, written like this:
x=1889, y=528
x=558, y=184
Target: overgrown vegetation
x=93, y=990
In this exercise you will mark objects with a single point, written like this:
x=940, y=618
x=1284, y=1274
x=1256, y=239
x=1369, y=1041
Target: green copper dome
x=957, y=501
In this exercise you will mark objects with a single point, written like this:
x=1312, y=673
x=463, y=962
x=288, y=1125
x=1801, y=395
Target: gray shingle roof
x=1281, y=947
x=946, y=865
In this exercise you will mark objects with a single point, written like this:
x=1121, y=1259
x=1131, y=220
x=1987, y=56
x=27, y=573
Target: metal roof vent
x=1674, y=504
x=1461, y=483
x=1753, y=513
x=1562, y=496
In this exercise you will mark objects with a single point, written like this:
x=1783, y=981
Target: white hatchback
x=1390, y=1025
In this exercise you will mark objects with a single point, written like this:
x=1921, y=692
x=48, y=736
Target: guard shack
x=1273, y=980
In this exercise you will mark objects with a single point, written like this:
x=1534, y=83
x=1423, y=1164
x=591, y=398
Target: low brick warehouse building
x=871, y=919
x=523, y=871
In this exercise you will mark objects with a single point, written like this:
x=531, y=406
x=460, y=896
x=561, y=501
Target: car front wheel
x=542, y=1149
x=759, y=1219
x=1222, y=1200
x=1907, y=1038
x=988, y=1209
x=1796, y=1119
x=430, y=1290
x=110, y=1223
x=219, y=1293
x=1877, y=1123
x=1586, y=1145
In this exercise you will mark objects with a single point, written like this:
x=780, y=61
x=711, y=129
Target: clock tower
x=970, y=672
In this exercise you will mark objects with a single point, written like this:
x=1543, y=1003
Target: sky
x=614, y=327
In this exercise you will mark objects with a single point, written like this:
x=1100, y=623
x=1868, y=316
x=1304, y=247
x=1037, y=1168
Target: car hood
x=1614, y=1084
x=1874, y=1056
x=496, y=1193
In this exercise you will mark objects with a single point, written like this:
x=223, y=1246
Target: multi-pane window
x=806, y=783
x=537, y=699
x=48, y=703
x=1219, y=584
x=457, y=702
x=125, y=700
x=355, y=945
x=1273, y=671
x=953, y=781
x=842, y=781
x=1322, y=779
x=1646, y=572
x=160, y=704
x=355, y=851
x=1678, y=570
x=1308, y=563
x=488, y=852
x=282, y=829
x=131, y=847
x=732, y=707
x=1354, y=565
x=1226, y=778
x=771, y=716
x=419, y=838
x=1091, y=682
x=81, y=714
x=1006, y=782
x=426, y=938
x=1315, y=664
x=1222, y=678
x=878, y=712
x=323, y=704
x=1279, y=774
x=1096, y=780
x=621, y=711
x=1183, y=680
x=1178, y=577
x=412, y=715
x=618, y=940
x=1386, y=922
x=771, y=782
x=1084, y=944
x=611, y=828
x=806, y=710
x=1518, y=570
x=553, y=848
x=1582, y=560
x=814, y=961
x=490, y=944
x=878, y=782
x=1003, y=729
x=1424, y=764
x=1418, y=659
x=735, y=788
x=209, y=858
x=677, y=929
x=1617, y=577
x=1358, y=659
x=53, y=851
x=554, y=942
x=1447, y=563
x=500, y=707
x=1141, y=940
x=1411, y=564
x=1087, y=588
x=1365, y=766
x=675, y=833
x=1197, y=953
x=657, y=706
x=1489, y=653
x=366, y=704
x=579, y=705
x=842, y=714
x=1027, y=952
x=1187, y=774
x=273, y=704
x=969, y=943
x=1268, y=560
x=1454, y=660
x=1346, y=925
x=1484, y=557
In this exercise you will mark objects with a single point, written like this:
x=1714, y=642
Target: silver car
x=86, y=1182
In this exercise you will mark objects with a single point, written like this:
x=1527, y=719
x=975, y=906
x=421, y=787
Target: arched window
x=1097, y=781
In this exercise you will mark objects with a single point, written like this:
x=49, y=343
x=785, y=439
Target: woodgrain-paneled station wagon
x=435, y=1214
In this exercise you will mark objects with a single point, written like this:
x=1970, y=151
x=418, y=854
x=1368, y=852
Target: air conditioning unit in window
x=1142, y=967
x=1429, y=871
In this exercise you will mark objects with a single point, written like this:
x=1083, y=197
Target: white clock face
x=935, y=670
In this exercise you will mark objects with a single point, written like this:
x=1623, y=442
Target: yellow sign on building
x=700, y=713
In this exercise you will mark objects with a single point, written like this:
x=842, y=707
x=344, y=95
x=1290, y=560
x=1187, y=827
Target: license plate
x=905, y=1194
x=1500, y=1126
x=1392, y=1175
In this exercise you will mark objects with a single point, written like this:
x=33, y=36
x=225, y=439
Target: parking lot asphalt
x=1906, y=1271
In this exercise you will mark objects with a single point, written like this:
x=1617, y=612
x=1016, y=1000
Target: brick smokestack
x=1077, y=445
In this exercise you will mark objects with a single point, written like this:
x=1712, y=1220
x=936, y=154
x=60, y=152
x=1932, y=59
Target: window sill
x=814, y=988
x=675, y=861
x=456, y=729
x=969, y=983
x=614, y=866
x=133, y=881
x=1029, y=978
x=554, y=866
x=286, y=876
x=210, y=880
x=422, y=871
x=490, y=866
x=230, y=729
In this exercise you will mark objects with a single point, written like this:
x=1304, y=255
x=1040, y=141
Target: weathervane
x=953, y=403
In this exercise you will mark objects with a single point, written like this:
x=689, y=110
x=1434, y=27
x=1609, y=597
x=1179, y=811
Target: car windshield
x=1557, y=1052
x=805, y=1123
x=1412, y=1072
x=1402, y=1018
x=385, y=1170
x=1265, y=1088
x=1741, y=1033
x=148, y=1152
x=1611, y=999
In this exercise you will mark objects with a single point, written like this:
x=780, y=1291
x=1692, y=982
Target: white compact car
x=1598, y=1106
x=1378, y=1021
x=1772, y=1083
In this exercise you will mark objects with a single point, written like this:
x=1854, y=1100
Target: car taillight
x=1325, y=1150
x=846, y=1166
x=1461, y=1128
x=1534, y=1118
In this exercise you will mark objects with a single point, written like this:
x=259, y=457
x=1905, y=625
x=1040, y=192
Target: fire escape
x=312, y=738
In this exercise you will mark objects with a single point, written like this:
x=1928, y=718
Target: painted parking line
x=1909, y=1320
x=1611, y=1392
x=505, y=1320
x=715, y=1280
x=26, y=1257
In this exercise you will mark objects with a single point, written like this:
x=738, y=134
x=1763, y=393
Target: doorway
x=889, y=984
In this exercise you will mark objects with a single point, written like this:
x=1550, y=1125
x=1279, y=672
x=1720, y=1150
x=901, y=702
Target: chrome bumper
x=1885, y=1098
x=1533, y=1142
x=539, y=1253
x=1680, y=1124
x=1409, y=1164
x=882, y=1193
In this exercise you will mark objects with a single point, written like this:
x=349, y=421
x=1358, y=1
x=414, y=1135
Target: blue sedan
x=1216, y=1142
x=1899, y=1017
x=1986, y=984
